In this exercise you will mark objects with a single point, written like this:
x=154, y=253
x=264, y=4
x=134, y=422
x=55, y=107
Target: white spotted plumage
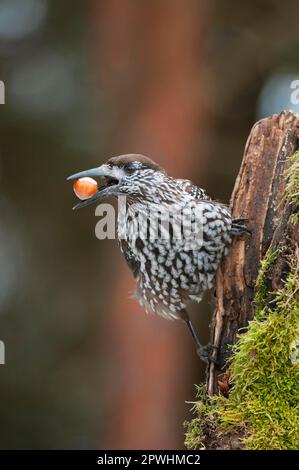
x=173, y=272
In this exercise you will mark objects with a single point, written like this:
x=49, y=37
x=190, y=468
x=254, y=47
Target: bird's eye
x=109, y=165
x=130, y=169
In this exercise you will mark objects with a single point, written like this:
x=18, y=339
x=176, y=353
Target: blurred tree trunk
x=148, y=59
x=257, y=196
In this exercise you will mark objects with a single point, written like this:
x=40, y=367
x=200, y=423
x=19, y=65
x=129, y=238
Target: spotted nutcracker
x=170, y=271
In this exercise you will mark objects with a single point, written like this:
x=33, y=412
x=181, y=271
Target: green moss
x=292, y=189
x=205, y=423
x=262, y=290
x=207, y=429
x=263, y=404
x=264, y=399
x=266, y=379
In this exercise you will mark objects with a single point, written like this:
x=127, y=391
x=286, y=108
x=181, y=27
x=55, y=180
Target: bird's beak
x=105, y=190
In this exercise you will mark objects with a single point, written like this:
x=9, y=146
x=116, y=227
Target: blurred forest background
x=180, y=81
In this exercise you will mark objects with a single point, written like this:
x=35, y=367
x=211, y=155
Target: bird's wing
x=199, y=193
x=195, y=191
x=130, y=258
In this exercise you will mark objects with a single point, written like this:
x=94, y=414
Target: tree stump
x=259, y=197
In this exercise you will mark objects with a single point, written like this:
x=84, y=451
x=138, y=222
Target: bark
x=259, y=197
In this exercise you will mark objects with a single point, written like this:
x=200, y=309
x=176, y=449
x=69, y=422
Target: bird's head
x=130, y=175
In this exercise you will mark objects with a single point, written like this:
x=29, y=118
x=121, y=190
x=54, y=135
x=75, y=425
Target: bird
x=171, y=269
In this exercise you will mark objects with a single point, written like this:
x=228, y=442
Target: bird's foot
x=206, y=353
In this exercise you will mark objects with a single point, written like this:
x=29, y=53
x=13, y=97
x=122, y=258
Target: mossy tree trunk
x=259, y=196
x=252, y=400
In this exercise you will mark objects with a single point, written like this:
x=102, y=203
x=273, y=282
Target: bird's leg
x=204, y=352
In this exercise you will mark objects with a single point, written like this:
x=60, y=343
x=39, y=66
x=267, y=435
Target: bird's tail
x=239, y=227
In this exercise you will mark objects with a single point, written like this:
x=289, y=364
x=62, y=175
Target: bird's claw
x=206, y=353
